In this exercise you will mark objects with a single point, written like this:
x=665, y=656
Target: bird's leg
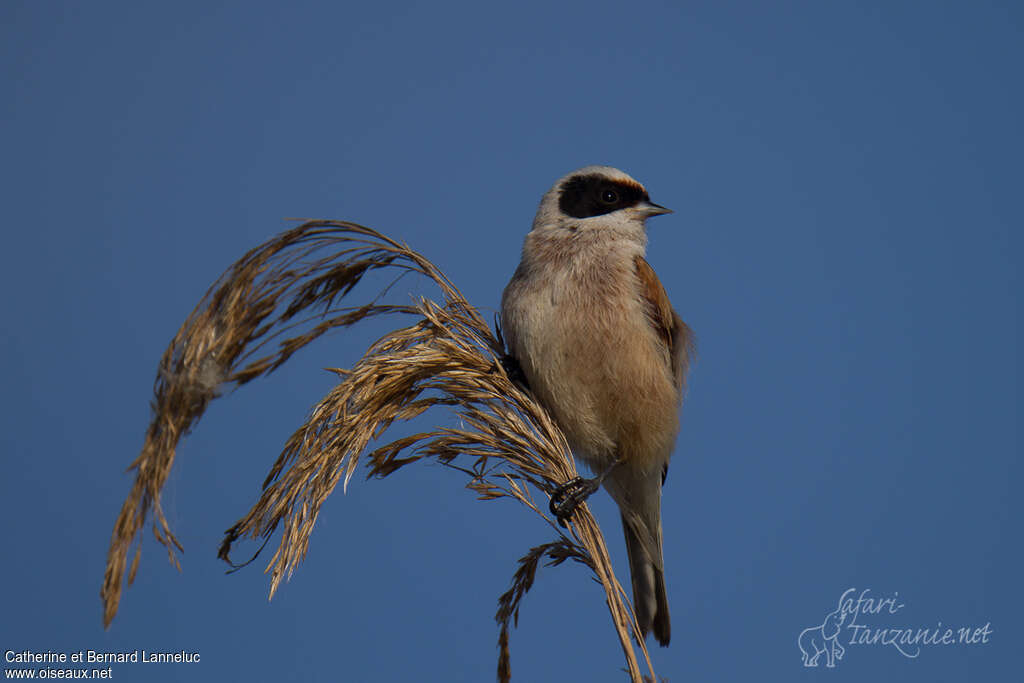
x=569, y=495
x=514, y=371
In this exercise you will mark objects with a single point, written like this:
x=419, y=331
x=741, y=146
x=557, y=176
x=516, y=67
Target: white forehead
x=609, y=172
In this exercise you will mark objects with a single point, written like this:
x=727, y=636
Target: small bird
x=596, y=339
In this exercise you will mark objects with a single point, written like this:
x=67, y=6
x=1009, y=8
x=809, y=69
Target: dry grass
x=289, y=291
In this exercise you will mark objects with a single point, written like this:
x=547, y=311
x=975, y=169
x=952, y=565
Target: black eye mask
x=584, y=196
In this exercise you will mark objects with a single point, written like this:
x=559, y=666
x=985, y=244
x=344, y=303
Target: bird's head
x=596, y=198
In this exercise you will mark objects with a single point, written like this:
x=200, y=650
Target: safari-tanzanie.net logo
x=863, y=619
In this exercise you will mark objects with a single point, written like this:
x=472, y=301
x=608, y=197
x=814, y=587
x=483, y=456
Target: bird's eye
x=609, y=196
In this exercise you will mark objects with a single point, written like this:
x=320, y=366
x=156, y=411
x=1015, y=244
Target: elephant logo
x=823, y=639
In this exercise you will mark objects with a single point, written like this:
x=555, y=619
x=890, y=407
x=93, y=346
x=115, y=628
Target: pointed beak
x=649, y=209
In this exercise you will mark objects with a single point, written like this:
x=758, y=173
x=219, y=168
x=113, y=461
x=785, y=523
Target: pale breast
x=591, y=356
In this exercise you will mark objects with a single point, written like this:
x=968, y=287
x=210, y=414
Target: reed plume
x=283, y=295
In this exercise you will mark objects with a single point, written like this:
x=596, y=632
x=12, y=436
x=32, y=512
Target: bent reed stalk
x=288, y=290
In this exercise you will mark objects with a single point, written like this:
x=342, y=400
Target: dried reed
x=287, y=290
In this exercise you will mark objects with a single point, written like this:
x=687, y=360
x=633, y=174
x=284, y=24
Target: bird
x=590, y=329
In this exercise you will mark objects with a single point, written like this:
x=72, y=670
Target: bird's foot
x=567, y=497
x=514, y=371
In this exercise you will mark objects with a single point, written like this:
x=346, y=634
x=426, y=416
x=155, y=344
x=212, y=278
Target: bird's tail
x=648, y=575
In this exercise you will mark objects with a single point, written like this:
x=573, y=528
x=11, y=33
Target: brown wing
x=676, y=335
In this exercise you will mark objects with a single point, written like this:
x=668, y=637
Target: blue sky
x=846, y=244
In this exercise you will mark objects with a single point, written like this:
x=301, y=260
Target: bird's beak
x=649, y=209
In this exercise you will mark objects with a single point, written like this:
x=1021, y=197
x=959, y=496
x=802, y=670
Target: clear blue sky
x=847, y=245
